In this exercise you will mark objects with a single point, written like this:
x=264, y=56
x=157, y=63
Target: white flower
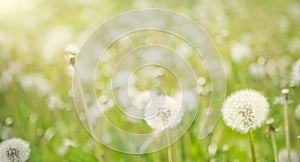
x=296, y=72
x=244, y=110
x=14, y=150
x=163, y=112
x=283, y=156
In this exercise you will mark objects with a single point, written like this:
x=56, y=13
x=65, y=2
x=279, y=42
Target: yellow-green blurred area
x=258, y=41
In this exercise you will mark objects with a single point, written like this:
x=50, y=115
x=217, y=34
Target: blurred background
x=259, y=41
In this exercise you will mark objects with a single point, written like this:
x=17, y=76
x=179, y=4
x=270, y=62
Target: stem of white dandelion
x=252, y=146
x=90, y=126
x=148, y=141
x=169, y=148
x=274, y=146
x=286, y=128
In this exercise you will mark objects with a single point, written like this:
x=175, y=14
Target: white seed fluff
x=14, y=150
x=296, y=73
x=164, y=112
x=244, y=110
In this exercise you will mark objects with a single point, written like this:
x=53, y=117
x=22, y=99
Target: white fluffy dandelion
x=296, y=73
x=163, y=112
x=14, y=150
x=245, y=110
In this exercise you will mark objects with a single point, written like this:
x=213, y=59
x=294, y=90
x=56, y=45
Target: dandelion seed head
x=72, y=48
x=244, y=110
x=14, y=149
x=296, y=73
x=164, y=112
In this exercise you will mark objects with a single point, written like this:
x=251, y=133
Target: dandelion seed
x=244, y=110
x=164, y=112
x=14, y=150
x=296, y=73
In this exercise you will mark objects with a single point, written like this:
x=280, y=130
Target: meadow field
x=43, y=102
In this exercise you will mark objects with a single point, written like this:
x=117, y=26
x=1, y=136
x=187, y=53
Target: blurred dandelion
x=63, y=149
x=296, y=73
x=272, y=131
x=240, y=51
x=14, y=150
x=283, y=156
x=54, y=102
x=244, y=111
x=285, y=93
x=35, y=81
x=72, y=51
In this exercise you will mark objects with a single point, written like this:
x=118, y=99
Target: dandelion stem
x=148, y=141
x=274, y=146
x=286, y=128
x=97, y=150
x=252, y=146
x=169, y=149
